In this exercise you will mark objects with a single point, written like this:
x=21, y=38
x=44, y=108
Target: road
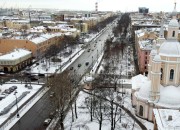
x=33, y=119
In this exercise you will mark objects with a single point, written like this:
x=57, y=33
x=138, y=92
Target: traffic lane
x=35, y=117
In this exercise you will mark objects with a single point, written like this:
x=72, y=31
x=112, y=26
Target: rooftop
x=16, y=54
x=162, y=115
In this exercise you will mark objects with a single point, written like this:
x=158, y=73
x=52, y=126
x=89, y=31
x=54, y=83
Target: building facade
x=161, y=89
x=15, y=60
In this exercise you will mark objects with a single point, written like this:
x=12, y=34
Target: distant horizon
x=82, y=10
x=89, y=5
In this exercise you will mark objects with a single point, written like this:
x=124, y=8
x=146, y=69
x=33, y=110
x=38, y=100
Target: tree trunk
x=61, y=121
x=115, y=116
x=112, y=120
x=72, y=113
x=120, y=115
x=100, y=122
x=91, y=110
x=75, y=109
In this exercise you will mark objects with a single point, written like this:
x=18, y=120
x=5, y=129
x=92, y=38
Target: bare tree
x=63, y=89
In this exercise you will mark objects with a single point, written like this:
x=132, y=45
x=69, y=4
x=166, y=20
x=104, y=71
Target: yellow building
x=15, y=60
x=35, y=43
x=18, y=24
x=83, y=27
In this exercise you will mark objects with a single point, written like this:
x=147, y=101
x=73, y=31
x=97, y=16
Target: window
x=171, y=74
x=161, y=73
x=145, y=62
x=141, y=110
x=173, y=34
x=146, y=53
x=145, y=67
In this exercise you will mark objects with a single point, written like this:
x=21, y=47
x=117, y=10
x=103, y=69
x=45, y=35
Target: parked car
x=7, y=91
x=47, y=122
x=14, y=87
x=2, y=96
x=89, y=50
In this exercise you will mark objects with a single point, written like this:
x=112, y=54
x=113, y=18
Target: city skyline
x=89, y=5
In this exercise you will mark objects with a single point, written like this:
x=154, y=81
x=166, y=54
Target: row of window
x=171, y=75
x=6, y=62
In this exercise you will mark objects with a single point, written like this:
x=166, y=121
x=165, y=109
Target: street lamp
x=101, y=48
x=17, y=104
x=97, y=54
x=92, y=60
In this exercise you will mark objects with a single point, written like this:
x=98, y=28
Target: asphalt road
x=34, y=118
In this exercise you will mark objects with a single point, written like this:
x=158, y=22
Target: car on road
x=33, y=77
x=47, y=122
x=79, y=65
x=13, y=80
x=52, y=94
x=87, y=63
x=41, y=75
x=89, y=50
x=71, y=68
x=52, y=114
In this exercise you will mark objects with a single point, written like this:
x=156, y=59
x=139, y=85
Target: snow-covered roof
x=20, y=21
x=44, y=37
x=169, y=95
x=138, y=81
x=146, y=44
x=173, y=23
x=16, y=54
x=162, y=115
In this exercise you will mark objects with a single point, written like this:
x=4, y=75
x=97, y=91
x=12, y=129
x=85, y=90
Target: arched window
x=171, y=74
x=173, y=34
x=161, y=73
x=141, y=110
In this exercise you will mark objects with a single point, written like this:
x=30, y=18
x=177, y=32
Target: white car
x=13, y=80
x=47, y=121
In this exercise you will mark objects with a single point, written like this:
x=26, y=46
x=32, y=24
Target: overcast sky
x=104, y=5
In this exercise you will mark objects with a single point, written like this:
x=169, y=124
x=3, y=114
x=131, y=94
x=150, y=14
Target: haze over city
x=104, y=5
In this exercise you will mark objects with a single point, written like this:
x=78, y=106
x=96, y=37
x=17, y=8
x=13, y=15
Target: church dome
x=173, y=23
x=157, y=58
x=153, y=52
x=170, y=48
x=170, y=95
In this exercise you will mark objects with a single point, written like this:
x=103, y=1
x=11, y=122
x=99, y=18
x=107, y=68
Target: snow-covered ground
x=83, y=121
x=21, y=90
x=49, y=67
